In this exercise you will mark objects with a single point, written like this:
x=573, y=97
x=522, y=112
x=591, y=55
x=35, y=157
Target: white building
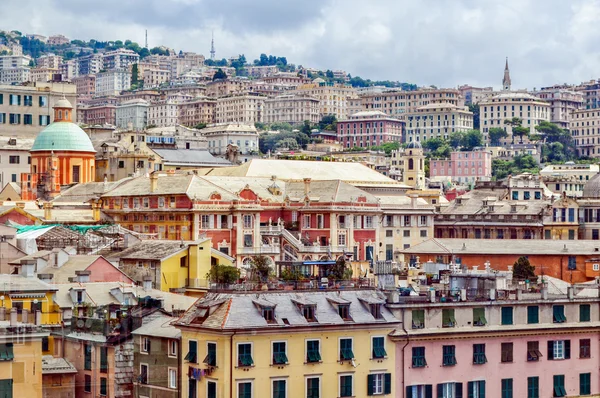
x=132, y=114
x=51, y=61
x=14, y=61
x=290, y=108
x=120, y=59
x=90, y=64
x=154, y=77
x=563, y=102
x=243, y=109
x=15, y=75
x=437, y=120
x=112, y=82
x=14, y=158
x=163, y=114
x=245, y=137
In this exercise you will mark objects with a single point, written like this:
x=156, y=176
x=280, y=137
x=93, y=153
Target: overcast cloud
x=439, y=42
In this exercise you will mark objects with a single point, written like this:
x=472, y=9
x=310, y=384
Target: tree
x=134, y=74
x=224, y=274
x=329, y=74
x=496, y=134
x=200, y=126
x=472, y=139
x=260, y=268
x=219, y=74
x=522, y=269
x=456, y=139
x=520, y=131
x=328, y=122
x=306, y=128
x=287, y=143
x=340, y=270
x=516, y=123
x=281, y=126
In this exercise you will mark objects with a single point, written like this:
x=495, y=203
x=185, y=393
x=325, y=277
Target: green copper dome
x=63, y=136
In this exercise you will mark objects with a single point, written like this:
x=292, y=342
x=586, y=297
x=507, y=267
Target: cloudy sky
x=440, y=42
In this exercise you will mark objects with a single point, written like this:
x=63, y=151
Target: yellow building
x=288, y=344
x=170, y=265
x=21, y=360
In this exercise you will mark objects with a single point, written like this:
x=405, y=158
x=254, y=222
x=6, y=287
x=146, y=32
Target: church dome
x=414, y=145
x=592, y=188
x=63, y=136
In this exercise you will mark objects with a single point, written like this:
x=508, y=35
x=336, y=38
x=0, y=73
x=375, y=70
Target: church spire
x=506, y=80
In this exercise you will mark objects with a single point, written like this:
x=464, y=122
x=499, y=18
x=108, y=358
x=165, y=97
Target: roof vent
x=565, y=248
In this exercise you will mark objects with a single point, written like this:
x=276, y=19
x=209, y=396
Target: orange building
x=62, y=154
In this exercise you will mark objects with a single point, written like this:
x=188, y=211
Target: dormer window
x=269, y=314
x=344, y=312
x=376, y=310
x=309, y=313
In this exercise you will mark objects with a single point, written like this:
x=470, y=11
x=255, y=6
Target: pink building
x=463, y=167
x=501, y=344
x=369, y=128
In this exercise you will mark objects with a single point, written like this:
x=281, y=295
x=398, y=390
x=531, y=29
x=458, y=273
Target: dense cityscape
x=180, y=225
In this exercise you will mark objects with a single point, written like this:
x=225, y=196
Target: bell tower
x=506, y=79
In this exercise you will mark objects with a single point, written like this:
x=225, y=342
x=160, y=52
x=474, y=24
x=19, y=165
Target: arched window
x=59, y=115
x=411, y=164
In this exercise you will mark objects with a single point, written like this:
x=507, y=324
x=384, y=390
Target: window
x=572, y=264
x=559, y=386
x=449, y=355
x=558, y=314
x=559, y=349
x=533, y=387
x=346, y=386
x=479, y=317
x=27, y=119
x=14, y=99
x=418, y=319
x=192, y=354
x=507, y=315
x=87, y=384
x=146, y=345
x=418, y=357
x=211, y=389
x=308, y=311
x=585, y=380
x=380, y=383
x=584, y=313
x=247, y=221
x=341, y=240
x=585, y=348
x=103, y=386
x=389, y=233
x=344, y=312
x=103, y=359
x=378, y=347
x=479, y=357
x=14, y=118
x=143, y=373
x=279, y=389
x=533, y=314
x=533, y=351
x=173, y=348
x=245, y=355
x=507, y=352
x=368, y=221
x=87, y=357
x=313, y=387
x=6, y=352
x=43, y=101
x=16, y=159
x=172, y=378
x=245, y=389
x=423, y=233
x=45, y=341
x=306, y=221
x=507, y=388
x=448, y=320
x=406, y=233
x=313, y=353
x=346, y=353
x=279, y=353
x=211, y=354
x=476, y=389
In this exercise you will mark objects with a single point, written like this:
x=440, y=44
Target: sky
x=426, y=42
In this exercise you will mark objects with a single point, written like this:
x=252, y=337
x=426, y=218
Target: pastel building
x=463, y=167
x=437, y=120
x=369, y=128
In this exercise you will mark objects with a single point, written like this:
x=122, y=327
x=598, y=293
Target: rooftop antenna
x=146, y=38
x=212, y=46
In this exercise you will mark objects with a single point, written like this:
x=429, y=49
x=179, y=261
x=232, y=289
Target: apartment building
x=292, y=109
x=132, y=114
x=163, y=114
x=69, y=69
x=85, y=85
x=14, y=158
x=98, y=114
x=333, y=98
x=327, y=335
x=27, y=109
x=463, y=167
x=50, y=61
x=120, y=59
x=14, y=61
x=396, y=103
x=228, y=87
x=521, y=343
x=221, y=136
x=585, y=130
x=112, y=82
x=155, y=77
x=472, y=95
x=493, y=111
x=242, y=109
x=563, y=100
x=42, y=74
x=437, y=120
x=57, y=40
x=90, y=64
x=15, y=75
x=369, y=128
x=196, y=111
x=591, y=94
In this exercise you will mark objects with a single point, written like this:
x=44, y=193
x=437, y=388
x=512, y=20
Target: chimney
x=13, y=317
x=492, y=294
x=24, y=316
x=2, y=313
x=147, y=283
x=28, y=268
x=519, y=294
x=171, y=173
x=83, y=276
x=306, y=186
x=96, y=206
x=570, y=293
x=46, y=277
x=153, y=182
x=38, y=318
x=544, y=291
x=48, y=210
x=413, y=200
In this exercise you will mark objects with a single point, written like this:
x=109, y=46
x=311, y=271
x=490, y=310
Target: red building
x=369, y=128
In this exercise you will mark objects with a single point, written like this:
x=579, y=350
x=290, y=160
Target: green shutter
x=533, y=314
x=371, y=385
x=418, y=319
x=103, y=386
x=192, y=352
x=387, y=384
x=584, y=313
x=533, y=387
x=458, y=390
x=103, y=359
x=378, y=347
x=507, y=315
x=558, y=314
x=6, y=388
x=440, y=391
x=470, y=389
x=479, y=317
x=6, y=352
x=448, y=320
x=312, y=351
x=279, y=355
x=245, y=355
x=567, y=349
x=211, y=390
x=507, y=388
x=346, y=353
x=428, y=391
x=585, y=383
x=87, y=357
x=482, y=389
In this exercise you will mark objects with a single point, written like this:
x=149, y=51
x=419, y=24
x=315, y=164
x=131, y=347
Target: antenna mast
x=212, y=46
x=146, y=38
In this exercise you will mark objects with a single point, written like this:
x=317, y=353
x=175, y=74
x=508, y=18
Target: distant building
x=292, y=109
x=333, y=98
x=369, y=128
x=585, y=130
x=163, y=113
x=14, y=61
x=472, y=95
x=42, y=75
x=119, y=59
x=90, y=64
x=196, y=111
x=14, y=158
x=591, y=94
x=132, y=114
x=57, y=40
x=112, y=82
x=86, y=85
x=50, y=61
x=563, y=100
x=437, y=120
x=219, y=137
x=100, y=114
x=155, y=77
x=463, y=167
x=242, y=109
